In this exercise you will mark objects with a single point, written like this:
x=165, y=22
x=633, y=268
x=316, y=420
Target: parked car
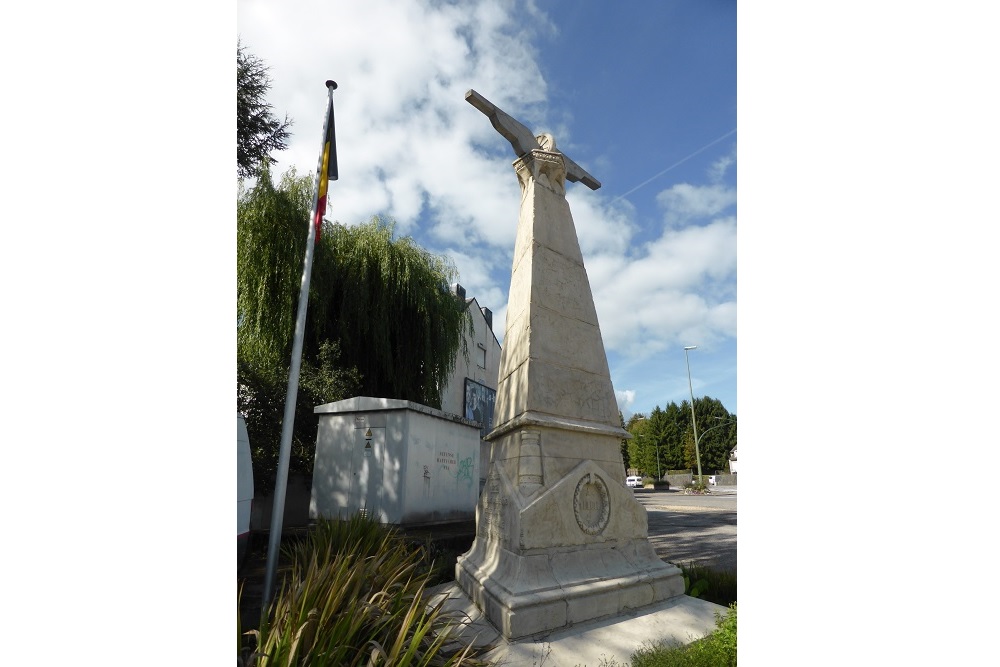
x=633, y=481
x=244, y=489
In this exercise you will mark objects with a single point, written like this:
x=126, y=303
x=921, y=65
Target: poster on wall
x=479, y=400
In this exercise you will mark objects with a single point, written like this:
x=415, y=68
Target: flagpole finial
x=331, y=84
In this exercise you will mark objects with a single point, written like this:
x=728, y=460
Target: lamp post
x=714, y=427
x=694, y=422
x=711, y=428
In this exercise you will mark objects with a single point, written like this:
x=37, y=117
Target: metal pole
x=284, y=453
x=694, y=421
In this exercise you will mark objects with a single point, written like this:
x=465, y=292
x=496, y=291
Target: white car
x=633, y=482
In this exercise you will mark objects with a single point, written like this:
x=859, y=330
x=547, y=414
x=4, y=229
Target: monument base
x=526, y=584
x=677, y=620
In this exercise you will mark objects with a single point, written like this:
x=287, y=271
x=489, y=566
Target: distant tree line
x=668, y=434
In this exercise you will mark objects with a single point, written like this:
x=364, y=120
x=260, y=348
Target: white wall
x=441, y=479
x=392, y=481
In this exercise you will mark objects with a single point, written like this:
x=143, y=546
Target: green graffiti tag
x=464, y=472
x=465, y=469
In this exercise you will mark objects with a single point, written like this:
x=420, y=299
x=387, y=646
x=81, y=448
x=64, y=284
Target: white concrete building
x=409, y=463
x=402, y=462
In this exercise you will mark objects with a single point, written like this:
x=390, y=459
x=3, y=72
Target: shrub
x=708, y=584
x=354, y=596
x=696, y=486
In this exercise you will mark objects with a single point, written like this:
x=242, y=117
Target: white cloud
x=719, y=168
x=404, y=130
x=679, y=287
x=685, y=202
x=625, y=399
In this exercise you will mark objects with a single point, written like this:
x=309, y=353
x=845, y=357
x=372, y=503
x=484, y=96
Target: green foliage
x=718, y=586
x=261, y=392
x=381, y=320
x=718, y=649
x=385, y=300
x=354, y=597
x=388, y=301
x=258, y=132
x=668, y=433
x=716, y=435
x=626, y=460
x=697, y=485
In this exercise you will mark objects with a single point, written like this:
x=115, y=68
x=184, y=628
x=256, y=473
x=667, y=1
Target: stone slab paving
x=680, y=619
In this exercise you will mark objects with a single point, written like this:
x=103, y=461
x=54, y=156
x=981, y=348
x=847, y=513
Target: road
x=698, y=529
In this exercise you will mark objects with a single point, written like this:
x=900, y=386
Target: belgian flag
x=327, y=163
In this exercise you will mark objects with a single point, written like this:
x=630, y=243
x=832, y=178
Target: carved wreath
x=605, y=504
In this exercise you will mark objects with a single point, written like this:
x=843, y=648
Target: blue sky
x=640, y=94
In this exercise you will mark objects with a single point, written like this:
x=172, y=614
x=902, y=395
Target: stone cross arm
x=522, y=139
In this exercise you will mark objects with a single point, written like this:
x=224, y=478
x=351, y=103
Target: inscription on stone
x=492, y=520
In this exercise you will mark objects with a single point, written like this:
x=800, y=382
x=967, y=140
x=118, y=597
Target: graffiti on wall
x=460, y=470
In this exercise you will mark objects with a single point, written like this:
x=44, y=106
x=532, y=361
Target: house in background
x=471, y=391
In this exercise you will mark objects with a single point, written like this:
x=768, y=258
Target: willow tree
x=382, y=320
x=389, y=303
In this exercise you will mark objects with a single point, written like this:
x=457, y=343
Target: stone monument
x=559, y=538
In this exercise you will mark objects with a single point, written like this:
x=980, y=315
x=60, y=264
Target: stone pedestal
x=559, y=538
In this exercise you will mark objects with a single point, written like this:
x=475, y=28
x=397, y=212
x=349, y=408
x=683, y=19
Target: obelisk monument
x=559, y=538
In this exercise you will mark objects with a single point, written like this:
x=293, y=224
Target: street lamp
x=724, y=423
x=715, y=427
x=694, y=423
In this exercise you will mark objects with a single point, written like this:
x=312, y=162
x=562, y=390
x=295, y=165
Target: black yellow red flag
x=328, y=164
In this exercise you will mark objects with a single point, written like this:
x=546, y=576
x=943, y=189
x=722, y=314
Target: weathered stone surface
x=559, y=538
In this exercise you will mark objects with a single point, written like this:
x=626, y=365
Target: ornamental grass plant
x=355, y=596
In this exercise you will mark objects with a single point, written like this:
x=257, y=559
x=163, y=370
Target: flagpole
x=281, y=483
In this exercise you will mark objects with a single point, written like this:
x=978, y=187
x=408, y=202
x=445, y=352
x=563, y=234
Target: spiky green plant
x=354, y=597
